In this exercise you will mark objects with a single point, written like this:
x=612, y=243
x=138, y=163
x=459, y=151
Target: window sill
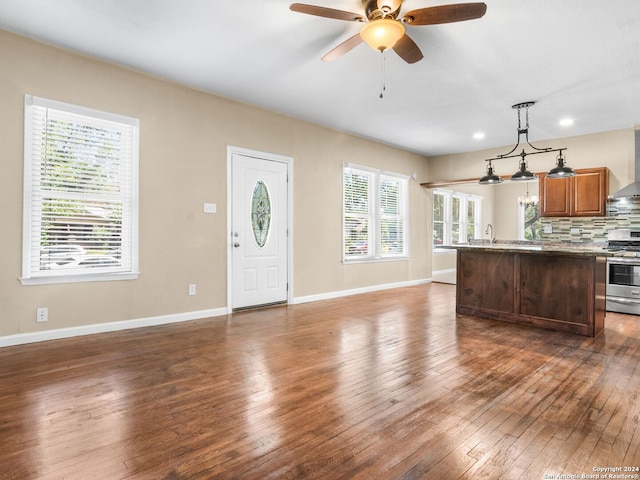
x=442, y=251
x=97, y=277
x=349, y=261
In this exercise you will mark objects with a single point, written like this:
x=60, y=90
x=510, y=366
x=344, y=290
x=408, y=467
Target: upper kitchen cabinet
x=584, y=195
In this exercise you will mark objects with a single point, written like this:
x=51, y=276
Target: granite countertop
x=588, y=250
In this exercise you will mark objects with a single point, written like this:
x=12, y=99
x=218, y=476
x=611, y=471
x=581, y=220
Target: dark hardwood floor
x=387, y=385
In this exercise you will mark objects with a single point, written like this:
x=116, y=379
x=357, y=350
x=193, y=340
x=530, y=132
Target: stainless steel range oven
x=623, y=272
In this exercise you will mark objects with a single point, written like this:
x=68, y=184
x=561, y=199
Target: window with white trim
x=374, y=214
x=529, y=222
x=80, y=194
x=456, y=217
x=473, y=217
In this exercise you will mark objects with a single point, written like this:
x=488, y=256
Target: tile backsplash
x=621, y=213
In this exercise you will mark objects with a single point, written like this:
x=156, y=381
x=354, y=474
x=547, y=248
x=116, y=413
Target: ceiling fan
x=384, y=28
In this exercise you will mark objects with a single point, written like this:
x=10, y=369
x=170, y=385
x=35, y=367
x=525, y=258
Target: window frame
x=32, y=272
x=376, y=216
x=521, y=222
x=477, y=209
x=462, y=221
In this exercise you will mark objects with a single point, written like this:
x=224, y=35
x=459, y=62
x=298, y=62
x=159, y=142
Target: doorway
x=259, y=265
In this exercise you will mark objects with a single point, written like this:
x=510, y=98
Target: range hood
x=632, y=190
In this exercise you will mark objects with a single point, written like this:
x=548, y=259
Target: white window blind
x=80, y=217
x=358, y=212
x=391, y=216
x=375, y=206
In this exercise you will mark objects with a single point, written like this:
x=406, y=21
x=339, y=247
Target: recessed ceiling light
x=565, y=122
x=478, y=135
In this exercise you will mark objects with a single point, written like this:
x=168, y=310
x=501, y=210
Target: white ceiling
x=575, y=58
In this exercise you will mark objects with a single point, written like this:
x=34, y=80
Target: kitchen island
x=545, y=286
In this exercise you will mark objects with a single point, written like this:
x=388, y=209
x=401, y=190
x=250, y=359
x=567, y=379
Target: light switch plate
x=209, y=208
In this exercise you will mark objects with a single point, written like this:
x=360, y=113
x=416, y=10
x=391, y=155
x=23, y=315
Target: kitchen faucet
x=489, y=231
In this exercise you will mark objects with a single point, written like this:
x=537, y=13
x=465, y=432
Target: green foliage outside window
x=532, y=222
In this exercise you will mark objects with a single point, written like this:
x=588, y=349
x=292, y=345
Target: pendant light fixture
x=490, y=178
x=560, y=170
x=523, y=173
x=528, y=200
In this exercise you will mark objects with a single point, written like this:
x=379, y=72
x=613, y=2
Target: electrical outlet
x=192, y=289
x=548, y=229
x=42, y=314
x=210, y=208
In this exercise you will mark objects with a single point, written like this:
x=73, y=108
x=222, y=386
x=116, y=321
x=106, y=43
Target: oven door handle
x=623, y=300
x=623, y=260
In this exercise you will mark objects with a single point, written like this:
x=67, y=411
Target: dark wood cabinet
x=489, y=281
x=584, y=195
x=559, y=291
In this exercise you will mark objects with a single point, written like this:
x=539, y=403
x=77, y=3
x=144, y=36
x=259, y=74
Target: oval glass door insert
x=260, y=213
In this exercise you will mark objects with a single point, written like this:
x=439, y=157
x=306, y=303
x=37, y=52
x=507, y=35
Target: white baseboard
x=444, y=276
x=356, y=291
x=32, y=337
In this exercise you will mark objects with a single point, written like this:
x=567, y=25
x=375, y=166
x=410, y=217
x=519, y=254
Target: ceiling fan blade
x=343, y=48
x=445, y=14
x=408, y=50
x=326, y=12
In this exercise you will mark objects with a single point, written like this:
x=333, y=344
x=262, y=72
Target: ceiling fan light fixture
x=388, y=6
x=382, y=34
x=384, y=27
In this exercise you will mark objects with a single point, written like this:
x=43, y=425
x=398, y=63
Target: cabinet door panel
x=556, y=287
x=589, y=192
x=555, y=196
x=489, y=280
x=584, y=195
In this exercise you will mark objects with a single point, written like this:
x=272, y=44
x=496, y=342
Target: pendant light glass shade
x=523, y=173
x=382, y=34
x=490, y=177
x=561, y=170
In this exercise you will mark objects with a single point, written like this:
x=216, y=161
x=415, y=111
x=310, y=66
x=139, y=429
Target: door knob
x=236, y=244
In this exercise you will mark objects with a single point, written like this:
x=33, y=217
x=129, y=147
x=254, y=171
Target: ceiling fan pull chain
x=383, y=71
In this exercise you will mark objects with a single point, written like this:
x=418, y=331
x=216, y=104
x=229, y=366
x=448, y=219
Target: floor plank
x=386, y=385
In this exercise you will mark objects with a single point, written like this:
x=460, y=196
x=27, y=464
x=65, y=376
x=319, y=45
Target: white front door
x=259, y=224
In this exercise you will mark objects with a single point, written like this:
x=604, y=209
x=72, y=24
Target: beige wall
x=184, y=135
